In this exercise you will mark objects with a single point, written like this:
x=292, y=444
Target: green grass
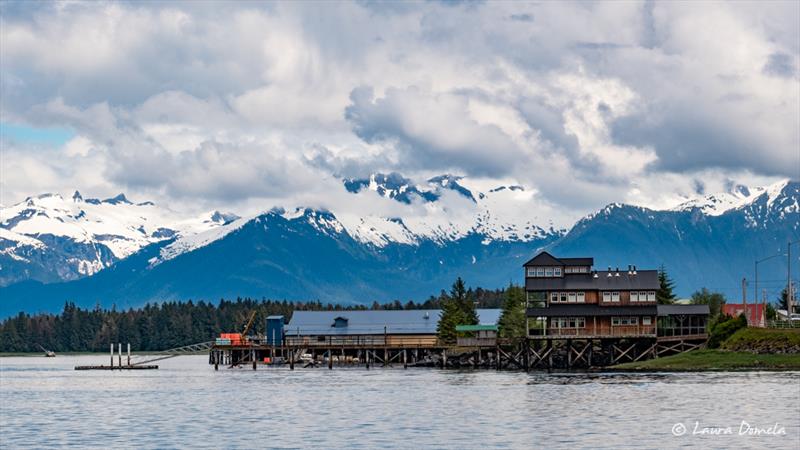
x=764, y=340
x=716, y=360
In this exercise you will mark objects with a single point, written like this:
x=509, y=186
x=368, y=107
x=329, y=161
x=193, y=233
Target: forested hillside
x=171, y=324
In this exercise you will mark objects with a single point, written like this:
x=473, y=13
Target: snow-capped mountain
x=50, y=238
x=501, y=213
x=312, y=254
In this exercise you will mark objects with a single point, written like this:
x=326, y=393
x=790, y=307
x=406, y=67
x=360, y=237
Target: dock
x=101, y=367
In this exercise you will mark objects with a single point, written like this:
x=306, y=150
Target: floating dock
x=116, y=367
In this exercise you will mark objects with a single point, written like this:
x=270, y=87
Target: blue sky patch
x=26, y=134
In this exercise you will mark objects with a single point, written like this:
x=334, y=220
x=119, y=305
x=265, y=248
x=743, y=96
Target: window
x=634, y=296
x=583, y=269
x=540, y=271
x=624, y=321
x=606, y=296
x=548, y=271
x=557, y=271
x=581, y=297
x=651, y=296
x=553, y=297
x=615, y=296
x=531, y=271
x=572, y=297
x=647, y=320
x=568, y=322
x=563, y=297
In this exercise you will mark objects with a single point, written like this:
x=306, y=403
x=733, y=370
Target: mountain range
x=116, y=252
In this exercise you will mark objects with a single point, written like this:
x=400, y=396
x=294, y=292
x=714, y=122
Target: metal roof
x=644, y=280
x=678, y=310
x=591, y=310
x=476, y=327
x=546, y=259
x=409, y=321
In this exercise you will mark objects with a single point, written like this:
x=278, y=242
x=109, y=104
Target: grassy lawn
x=716, y=360
x=764, y=340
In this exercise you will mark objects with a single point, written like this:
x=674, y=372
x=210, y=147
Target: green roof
x=476, y=327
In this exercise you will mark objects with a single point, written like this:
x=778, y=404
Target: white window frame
x=624, y=321
x=554, y=297
x=651, y=296
x=581, y=297
x=607, y=296
x=563, y=296
x=540, y=271
x=572, y=297
x=557, y=271
x=571, y=322
x=548, y=272
x=531, y=271
x=634, y=296
x=615, y=296
x=647, y=320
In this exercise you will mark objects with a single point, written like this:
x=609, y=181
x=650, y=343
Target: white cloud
x=262, y=104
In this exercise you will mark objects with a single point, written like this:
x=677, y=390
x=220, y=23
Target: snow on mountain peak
x=116, y=223
x=719, y=203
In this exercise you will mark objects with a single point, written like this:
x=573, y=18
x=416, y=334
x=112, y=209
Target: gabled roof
x=546, y=259
x=543, y=259
x=409, y=321
x=643, y=280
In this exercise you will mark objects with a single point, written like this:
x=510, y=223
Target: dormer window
x=339, y=322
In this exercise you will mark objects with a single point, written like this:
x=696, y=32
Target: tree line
x=167, y=325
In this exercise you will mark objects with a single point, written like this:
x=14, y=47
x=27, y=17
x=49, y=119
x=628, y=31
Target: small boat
x=47, y=353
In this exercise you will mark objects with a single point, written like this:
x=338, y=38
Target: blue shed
x=275, y=330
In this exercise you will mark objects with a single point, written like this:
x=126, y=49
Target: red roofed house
x=756, y=316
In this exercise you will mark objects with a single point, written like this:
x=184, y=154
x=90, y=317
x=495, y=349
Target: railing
x=476, y=342
x=360, y=341
x=618, y=331
x=783, y=324
x=681, y=331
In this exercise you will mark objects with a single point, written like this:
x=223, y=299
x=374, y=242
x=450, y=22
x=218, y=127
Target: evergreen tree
x=664, y=295
x=512, y=319
x=465, y=302
x=451, y=316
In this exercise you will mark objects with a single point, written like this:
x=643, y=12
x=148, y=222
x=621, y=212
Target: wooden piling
x=405, y=361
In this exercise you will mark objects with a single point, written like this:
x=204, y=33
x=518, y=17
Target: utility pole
x=744, y=298
x=789, y=280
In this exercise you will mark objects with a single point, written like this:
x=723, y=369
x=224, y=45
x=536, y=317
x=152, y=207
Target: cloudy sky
x=251, y=105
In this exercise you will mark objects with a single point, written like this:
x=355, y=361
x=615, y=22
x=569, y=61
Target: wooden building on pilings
x=370, y=337
x=578, y=316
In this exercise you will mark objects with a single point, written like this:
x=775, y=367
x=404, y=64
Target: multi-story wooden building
x=567, y=298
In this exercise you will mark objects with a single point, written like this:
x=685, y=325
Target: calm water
x=45, y=403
